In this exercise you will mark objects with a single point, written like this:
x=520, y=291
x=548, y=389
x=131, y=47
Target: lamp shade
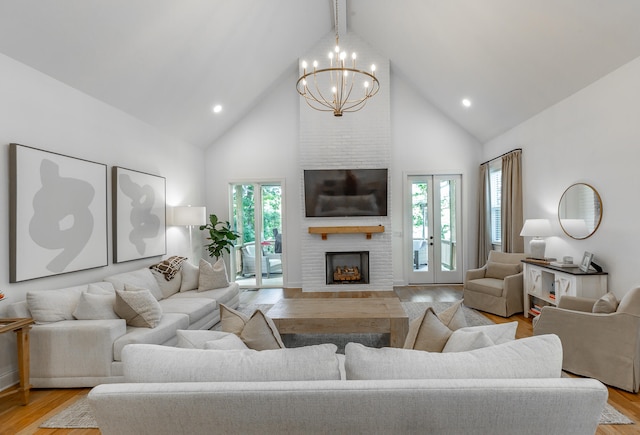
x=187, y=215
x=536, y=228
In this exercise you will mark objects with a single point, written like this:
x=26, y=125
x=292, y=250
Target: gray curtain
x=484, y=216
x=512, y=214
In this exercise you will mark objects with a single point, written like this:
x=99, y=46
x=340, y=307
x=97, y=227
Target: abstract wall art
x=139, y=214
x=58, y=213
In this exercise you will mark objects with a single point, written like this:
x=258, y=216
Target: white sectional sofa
x=509, y=388
x=68, y=353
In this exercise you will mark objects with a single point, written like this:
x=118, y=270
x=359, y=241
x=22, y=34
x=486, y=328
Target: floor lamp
x=189, y=216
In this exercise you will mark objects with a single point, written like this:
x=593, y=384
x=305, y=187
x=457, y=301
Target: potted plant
x=221, y=236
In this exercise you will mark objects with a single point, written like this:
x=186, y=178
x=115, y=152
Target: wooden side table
x=21, y=326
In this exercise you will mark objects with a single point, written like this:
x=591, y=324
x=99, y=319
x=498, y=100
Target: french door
x=257, y=216
x=432, y=229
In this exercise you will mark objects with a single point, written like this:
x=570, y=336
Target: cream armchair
x=604, y=346
x=497, y=286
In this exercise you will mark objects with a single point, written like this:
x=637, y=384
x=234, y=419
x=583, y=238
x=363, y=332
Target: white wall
x=591, y=137
x=427, y=142
x=40, y=112
x=265, y=145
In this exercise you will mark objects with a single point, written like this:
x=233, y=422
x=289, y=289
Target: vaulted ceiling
x=167, y=62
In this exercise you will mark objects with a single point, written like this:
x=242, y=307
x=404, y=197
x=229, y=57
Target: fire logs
x=346, y=273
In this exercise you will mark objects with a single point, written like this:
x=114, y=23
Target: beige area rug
x=79, y=414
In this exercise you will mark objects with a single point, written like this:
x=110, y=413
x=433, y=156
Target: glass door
x=257, y=215
x=433, y=228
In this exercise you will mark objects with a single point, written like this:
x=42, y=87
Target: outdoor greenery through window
x=495, y=194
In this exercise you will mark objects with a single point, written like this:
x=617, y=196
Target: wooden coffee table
x=342, y=315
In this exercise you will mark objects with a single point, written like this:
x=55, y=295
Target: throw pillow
x=138, y=307
x=431, y=331
x=212, y=276
x=48, y=306
x=204, y=339
x=168, y=288
x=462, y=341
x=95, y=304
x=539, y=356
x=190, y=275
x=501, y=270
x=258, y=332
x=141, y=278
x=453, y=317
x=606, y=304
x=498, y=333
x=169, y=267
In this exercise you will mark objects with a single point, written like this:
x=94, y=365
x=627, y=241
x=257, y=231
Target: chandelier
x=339, y=88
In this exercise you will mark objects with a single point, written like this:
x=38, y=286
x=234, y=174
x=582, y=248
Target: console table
x=545, y=284
x=21, y=327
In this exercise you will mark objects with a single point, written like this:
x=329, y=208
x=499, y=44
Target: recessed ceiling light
x=217, y=108
x=466, y=102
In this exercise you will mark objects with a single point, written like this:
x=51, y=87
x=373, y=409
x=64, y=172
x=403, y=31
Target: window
x=495, y=199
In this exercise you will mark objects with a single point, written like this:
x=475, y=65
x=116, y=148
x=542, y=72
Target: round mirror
x=580, y=211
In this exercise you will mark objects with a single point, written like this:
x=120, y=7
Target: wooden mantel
x=368, y=230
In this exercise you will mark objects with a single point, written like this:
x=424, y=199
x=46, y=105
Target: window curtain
x=484, y=216
x=511, y=205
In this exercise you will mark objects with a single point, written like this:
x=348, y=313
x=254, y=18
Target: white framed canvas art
x=139, y=215
x=58, y=213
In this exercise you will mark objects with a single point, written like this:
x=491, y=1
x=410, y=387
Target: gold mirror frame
x=580, y=211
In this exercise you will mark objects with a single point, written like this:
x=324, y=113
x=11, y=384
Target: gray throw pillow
x=501, y=270
x=606, y=304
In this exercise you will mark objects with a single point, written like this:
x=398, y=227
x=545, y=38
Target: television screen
x=345, y=192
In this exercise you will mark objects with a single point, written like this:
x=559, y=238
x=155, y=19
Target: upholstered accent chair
x=600, y=338
x=271, y=263
x=496, y=287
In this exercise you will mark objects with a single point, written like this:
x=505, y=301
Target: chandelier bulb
x=343, y=55
x=353, y=55
x=366, y=85
x=330, y=55
x=315, y=64
x=304, y=64
x=334, y=90
x=337, y=49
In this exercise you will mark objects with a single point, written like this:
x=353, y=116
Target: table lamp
x=537, y=228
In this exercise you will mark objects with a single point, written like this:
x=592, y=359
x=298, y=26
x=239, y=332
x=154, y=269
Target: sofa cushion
x=462, y=341
x=138, y=307
x=501, y=270
x=533, y=357
x=48, y=306
x=196, y=339
x=225, y=296
x=489, y=286
x=431, y=331
x=258, y=332
x=150, y=363
x=195, y=308
x=164, y=333
x=96, y=304
x=141, y=278
x=606, y=304
x=212, y=276
x=190, y=277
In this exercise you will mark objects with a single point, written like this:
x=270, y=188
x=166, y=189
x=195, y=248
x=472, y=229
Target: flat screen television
x=345, y=192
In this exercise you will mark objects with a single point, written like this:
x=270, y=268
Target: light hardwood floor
x=44, y=403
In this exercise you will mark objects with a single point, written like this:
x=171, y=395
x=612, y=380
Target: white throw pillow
x=96, y=304
x=533, y=357
x=212, y=276
x=168, y=288
x=138, y=307
x=190, y=276
x=141, y=278
x=462, y=341
x=498, y=333
x=48, y=306
x=197, y=339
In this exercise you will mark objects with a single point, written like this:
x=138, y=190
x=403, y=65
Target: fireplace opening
x=347, y=267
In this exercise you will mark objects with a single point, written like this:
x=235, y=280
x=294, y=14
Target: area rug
x=79, y=416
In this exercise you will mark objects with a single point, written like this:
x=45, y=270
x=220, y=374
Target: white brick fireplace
x=359, y=140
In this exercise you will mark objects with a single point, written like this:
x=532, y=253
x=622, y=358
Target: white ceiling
x=167, y=62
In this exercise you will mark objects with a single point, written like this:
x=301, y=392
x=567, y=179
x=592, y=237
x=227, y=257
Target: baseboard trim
x=292, y=293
